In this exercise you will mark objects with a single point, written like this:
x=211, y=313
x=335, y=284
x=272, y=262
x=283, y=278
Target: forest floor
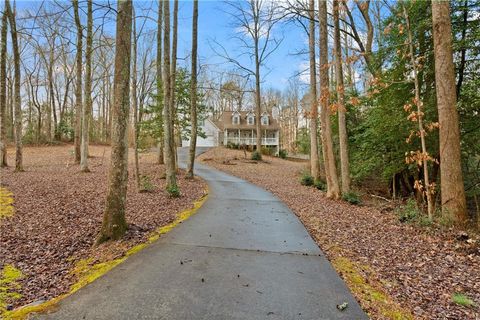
x=396, y=270
x=58, y=214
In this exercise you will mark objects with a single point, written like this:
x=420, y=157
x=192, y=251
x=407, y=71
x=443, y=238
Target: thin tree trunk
x=333, y=190
x=171, y=180
x=419, y=104
x=87, y=107
x=314, y=161
x=160, y=154
x=3, y=92
x=342, y=124
x=78, y=84
x=134, y=101
x=173, y=114
x=193, y=91
x=114, y=224
x=258, y=101
x=51, y=61
x=452, y=189
x=18, y=101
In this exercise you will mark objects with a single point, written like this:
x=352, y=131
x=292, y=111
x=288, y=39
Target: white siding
x=212, y=136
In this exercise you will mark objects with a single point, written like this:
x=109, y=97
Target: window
x=265, y=120
x=250, y=120
x=236, y=119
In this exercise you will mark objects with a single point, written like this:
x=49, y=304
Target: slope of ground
x=379, y=257
x=58, y=213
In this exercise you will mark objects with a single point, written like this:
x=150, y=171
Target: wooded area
x=385, y=105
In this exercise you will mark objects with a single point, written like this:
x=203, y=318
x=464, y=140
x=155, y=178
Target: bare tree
x=114, y=224
x=256, y=21
x=18, y=99
x=333, y=190
x=78, y=84
x=160, y=155
x=193, y=91
x=87, y=106
x=173, y=74
x=342, y=124
x=167, y=100
x=3, y=92
x=134, y=100
x=314, y=161
x=452, y=189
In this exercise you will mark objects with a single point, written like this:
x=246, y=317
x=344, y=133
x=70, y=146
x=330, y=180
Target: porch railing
x=253, y=141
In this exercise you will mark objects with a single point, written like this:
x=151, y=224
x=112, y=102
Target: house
x=211, y=131
x=239, y=128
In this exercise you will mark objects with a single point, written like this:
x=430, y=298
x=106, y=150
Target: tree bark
x=53, y=108
x=18, y=99
x=160, y=155
x=193, y=91
x=87, y=107
x=78, y=84
x=173, y=114
x=452, y=188
x=258, y=101
x=314, y=161
x=333, y=190
x=135, y=104
x=3, y=92
x=171, y=180
x=114, y=224
x=342, y=123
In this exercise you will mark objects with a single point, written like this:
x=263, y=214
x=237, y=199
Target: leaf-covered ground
x=58, y=213
x=396, y=270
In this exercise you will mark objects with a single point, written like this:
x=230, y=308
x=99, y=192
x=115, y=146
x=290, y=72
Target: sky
x=216, y=25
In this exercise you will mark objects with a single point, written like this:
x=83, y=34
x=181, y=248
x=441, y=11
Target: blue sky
x=214, y=24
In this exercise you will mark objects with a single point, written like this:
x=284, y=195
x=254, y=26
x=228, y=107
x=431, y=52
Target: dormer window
x=250, y=120
x=236, y=119
x=264, y=120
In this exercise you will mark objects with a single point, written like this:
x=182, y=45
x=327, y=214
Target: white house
x=211, y=131
x=239, y=128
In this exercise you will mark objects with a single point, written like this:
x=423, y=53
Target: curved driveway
x=243, y=255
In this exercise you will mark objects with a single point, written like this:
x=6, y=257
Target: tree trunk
x=419, y=104
x=333, y=190
x=51, y=62
x=193, y=91
x=3, y=92
x=314, y=161
x=18, y=101
x=171, y=180
x=87, y=107
x=342, y=124
x=160, y=155
x=78, y=84
x=114, y=224
x=135, y=104
x=452, y=189
x=173, y=114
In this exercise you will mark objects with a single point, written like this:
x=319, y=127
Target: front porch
x=249, y=137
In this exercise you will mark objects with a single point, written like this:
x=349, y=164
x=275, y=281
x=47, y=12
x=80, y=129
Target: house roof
x=225, y=121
